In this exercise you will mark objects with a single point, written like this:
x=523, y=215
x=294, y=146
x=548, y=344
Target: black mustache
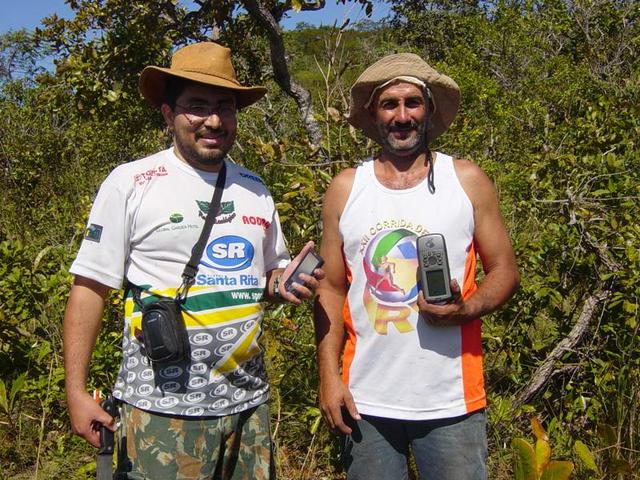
x=208, y=130
x=403, y=127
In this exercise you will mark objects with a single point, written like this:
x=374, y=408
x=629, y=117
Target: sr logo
x=228, y=254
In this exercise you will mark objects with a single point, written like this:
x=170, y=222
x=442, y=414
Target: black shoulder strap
x=191, y=268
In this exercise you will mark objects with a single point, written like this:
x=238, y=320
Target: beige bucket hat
x=445, y=93
x=205, y=62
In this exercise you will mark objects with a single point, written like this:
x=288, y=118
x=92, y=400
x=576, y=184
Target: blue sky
x=28, y=13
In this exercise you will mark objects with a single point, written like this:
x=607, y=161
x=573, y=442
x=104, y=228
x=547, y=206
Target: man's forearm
x=329, y=327
x=494, y=290
x=82, y=322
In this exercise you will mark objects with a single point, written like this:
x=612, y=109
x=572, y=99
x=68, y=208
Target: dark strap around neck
x=191, y=268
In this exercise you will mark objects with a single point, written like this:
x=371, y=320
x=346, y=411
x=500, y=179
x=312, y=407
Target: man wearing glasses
x=204, y=415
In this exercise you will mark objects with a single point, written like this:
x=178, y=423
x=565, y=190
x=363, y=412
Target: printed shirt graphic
x=395, y=364
x=152, y=212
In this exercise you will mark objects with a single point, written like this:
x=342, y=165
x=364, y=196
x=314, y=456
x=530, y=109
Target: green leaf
x=557, y=470
x=538, y=429
x=315, y=425
x=608, y=434
x=524, y=459
x=3, y=397
x=620, y=467
x=586, y=456
x=16, y=387
x=543, y=455
x=41, y=254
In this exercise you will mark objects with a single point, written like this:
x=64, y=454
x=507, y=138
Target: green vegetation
x=550, y=110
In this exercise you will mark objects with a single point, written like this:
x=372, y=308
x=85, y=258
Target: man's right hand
x=87, y=417
x=334, y=396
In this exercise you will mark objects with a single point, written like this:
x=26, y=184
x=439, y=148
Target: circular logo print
x=391, y=264
x=198, y=368
x=170, y=387
x=143, y=404
x=194, y=397
x=146, y=374
x=193, y=411
x=201, y=338
x=167, y=402
x=197, y=382
x=128, y=391
x=176, y=218
x=200, y=354
x=239, y=395
x=220, y=390
x=219, y=404
x=145, y=390
x=228, y=254
x=223, y=349
x=228, y=333
x=171, y=372
x=132, y=362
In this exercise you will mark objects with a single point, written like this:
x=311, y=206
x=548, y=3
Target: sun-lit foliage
x=549, y=110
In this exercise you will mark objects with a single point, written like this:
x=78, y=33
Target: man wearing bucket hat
x=201, y=411
x=411, y=375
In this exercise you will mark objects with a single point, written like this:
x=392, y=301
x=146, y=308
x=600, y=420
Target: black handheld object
x=434, y=268
x=309, y=263
x=107, y=436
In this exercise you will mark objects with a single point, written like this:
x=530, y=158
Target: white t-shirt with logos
x=146, y=218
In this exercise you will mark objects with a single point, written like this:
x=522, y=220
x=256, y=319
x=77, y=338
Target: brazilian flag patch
x=93, y=233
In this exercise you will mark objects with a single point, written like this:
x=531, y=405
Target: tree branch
x=546, y=370
x=302, y=97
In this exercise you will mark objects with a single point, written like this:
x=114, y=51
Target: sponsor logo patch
x=225, y=214
x=228, y=254
x=252, y=177
x=93, y=233
x=176, y=218
x=142, y=178
x=258, y=221
x=224, y=280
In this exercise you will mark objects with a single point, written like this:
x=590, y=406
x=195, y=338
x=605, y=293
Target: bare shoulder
x=339, y=190
x=477, y=185
x=343, y=180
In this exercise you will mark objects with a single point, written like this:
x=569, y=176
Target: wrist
x=276, y=287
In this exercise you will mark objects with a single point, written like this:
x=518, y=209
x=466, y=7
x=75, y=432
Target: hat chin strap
x=431, y=185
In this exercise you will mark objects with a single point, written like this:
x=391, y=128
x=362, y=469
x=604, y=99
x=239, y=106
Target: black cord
x=430, y=181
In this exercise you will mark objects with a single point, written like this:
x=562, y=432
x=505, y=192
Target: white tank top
x=395, y=364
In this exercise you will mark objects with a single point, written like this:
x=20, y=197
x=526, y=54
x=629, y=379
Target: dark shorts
x=233, y=447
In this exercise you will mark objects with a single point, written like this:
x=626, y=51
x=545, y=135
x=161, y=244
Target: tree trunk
x=281, y=71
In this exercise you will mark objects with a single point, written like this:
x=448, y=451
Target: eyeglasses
x=201, y=111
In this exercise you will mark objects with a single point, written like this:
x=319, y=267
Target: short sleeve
x=104, y=250
x=275, y=253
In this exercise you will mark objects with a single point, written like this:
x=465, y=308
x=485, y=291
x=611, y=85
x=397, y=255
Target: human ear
x=167, y=114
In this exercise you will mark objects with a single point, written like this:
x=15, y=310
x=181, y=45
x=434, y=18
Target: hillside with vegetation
x=550, y=110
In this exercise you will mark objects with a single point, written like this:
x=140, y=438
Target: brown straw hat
x=445, y=93
x=205, y=62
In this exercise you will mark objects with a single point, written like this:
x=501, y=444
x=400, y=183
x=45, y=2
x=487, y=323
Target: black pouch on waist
x=163, y=332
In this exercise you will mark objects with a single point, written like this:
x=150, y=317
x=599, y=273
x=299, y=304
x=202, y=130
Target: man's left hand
x=303, y=291
x=445, y=314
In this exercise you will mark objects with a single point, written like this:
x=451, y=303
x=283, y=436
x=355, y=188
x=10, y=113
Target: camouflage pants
x=234, y=447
